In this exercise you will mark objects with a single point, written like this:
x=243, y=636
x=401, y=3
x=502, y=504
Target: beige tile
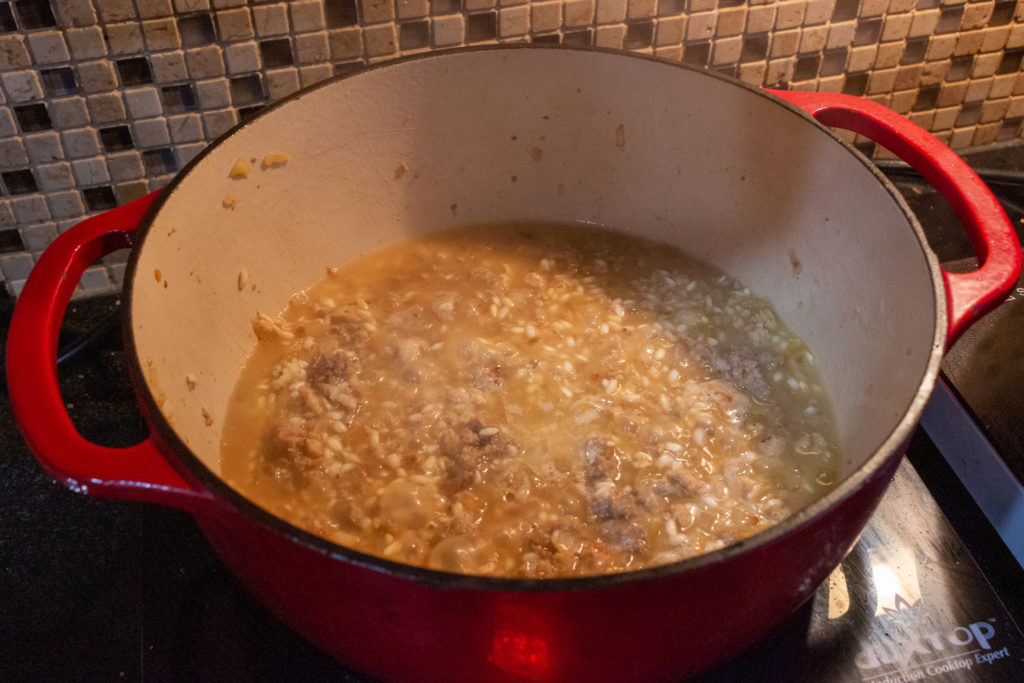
x=872, y=8
x=115, y=10
x=933, y=73
x=380, y=40
x=1016, y=107
x=760, y=18
x=347, y=43
x=216, y=123
x=785, y=43
x=986, y=64
x=818, y=12
x=789, y=14
x=241, y=58
x=779, y=71
x=514, y=21
x=214, y=93
x=813, y=39
x=314, y=73
x=610, y=36
x=472, y=5
x=53, y=177
x=831, y=83
x=951, y=94
x=726, y=51
x=161, y=34
x=924, y=23
x=940, y=47
x=205, y=62
x=976, y=15
x=977, y=90
x=753, y=73
x=641, y=9
x=968, y=43
x=124, y=38
x=86, y=43
x=235, y=24
x=579, y=12
x=902, y=101
x=270, y=20
x=14, y=52
x=881, y=81
x=410, y=9
x=888, y=55
x=896, y=27
x=861, y=58
x=307, y=15
x=995, y=38
x=994, y=110
x=168, y=66
x=152, y=9
x=375, y=11
x=106, y=107
x=922, y=118
x=810, y=85
x=841, y=34
x=1002, y=86
x=731, y=22
x=908, y=77
x=669, y=31
x=546, y=16
x=611, y=11
x=448, y=30
x=69, y=112
x=93, y=77
x=986, y=134
x=183, y=128
x=896, y=6
x=1016, y=37
x=282, y=82
x=673, y=52
x=75, y=12
x=312, y=48
x=143, y=102
x=48, y=47
x=700, y=26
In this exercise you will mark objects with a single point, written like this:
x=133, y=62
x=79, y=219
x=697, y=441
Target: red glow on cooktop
x=520, y=653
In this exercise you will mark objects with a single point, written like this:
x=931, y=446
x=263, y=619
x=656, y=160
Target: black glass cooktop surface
x=102, y=590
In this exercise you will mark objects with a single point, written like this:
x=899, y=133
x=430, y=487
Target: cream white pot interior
x=726, y=172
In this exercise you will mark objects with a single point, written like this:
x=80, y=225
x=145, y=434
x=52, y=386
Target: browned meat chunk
x=469, y=449
x=600, y=458
x=328, y=369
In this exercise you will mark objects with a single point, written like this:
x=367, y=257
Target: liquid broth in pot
x=530, y=401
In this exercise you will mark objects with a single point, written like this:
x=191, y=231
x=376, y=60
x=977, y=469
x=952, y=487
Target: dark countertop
x=93, y=589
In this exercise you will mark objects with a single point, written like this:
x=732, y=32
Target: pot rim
x=181, y=456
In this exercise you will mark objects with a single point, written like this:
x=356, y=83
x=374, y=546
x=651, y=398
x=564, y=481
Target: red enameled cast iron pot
x=745, y=179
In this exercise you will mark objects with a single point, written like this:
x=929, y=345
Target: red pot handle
x=968, y=295
x=135, y=473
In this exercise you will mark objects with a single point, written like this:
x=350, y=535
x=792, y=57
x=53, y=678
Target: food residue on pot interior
x=274, y=160
x=536, y=153
x=207, y=416
x=229, y=203
x=795, y=262
x=243, y=279
x=401, y=170
x=239, y=170
x=191, y=381
x=620, y=136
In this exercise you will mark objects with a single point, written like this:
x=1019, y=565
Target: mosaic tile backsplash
x=102, y=101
